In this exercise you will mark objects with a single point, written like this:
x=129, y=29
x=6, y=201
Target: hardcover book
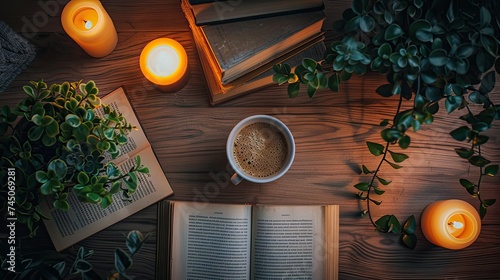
x=214, y=12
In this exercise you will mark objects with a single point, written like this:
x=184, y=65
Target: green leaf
x=488, y=82
x=93, y=197
x=484, y=16
x=115, y=187
x=392, y=32
x=122, y=260
x=375, y=148
x=376, y=202
x=393, y=165
x=29, y=91
x=293, y=90
x=383, y=181
x=366, y=170
x=478, y=161
x=52, y=129
x=460, y=134
x=410, y=225
x=41, y=176
x=106, y=201
x=394, y=224
x=366, y=23
x=363, y=186
x=309, y=64
x=422, y=30
x=452, y=103
x=491, y=170
x=383, y=223
x=334, y=82
x=134, y=241
x=398, y=157
x=385, y=90
x=438, y=57
x=468, y=185
x=378, y=191
x=83, y=178
x=48, y=141
x=390, y=135
x=109, y=133
x=489, y=202
x=482, y=211
x=59, y=167
x=35, y=132
x=489, y=43
x=73, y=120
x=404, y=141
x=409, y=240
x=464, y=153
x=465, y=50
x=61, y=205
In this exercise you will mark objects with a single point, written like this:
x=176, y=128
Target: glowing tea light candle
x=164, y=62
x=89, y=25
x=451, y=224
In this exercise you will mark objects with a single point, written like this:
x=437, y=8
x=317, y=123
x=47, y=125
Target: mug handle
x=236, y=179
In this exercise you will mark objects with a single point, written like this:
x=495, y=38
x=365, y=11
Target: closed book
x=262, y=77
x=214, y=12
x=243, y=46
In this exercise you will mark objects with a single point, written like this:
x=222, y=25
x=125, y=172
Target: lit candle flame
x=457, y=225
x=88, y=24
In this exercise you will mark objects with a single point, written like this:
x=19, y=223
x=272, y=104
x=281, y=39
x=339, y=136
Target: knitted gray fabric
x=15, y=55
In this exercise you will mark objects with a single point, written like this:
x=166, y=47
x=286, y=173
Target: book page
x=210, y=241
x=288, y=242
x=84, y=219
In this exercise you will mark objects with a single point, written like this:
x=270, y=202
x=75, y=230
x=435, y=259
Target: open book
x=85, y=219
x=240, y=241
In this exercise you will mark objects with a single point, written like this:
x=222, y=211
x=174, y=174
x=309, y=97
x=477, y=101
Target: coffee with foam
x=260, y=149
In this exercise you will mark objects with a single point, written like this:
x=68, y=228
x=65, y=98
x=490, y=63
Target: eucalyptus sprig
x=431, y=52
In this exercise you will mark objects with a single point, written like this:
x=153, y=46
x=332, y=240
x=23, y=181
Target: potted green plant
x=56, y=140
x=431, y=52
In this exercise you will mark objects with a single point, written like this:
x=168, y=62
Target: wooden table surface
x=330, y=130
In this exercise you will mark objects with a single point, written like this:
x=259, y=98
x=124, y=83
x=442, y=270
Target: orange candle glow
x=89, y=25
x=452, y=224
x=163, y=62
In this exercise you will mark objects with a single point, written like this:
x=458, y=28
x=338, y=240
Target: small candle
x=452, y=224
x=89, y=25
x=164, y=62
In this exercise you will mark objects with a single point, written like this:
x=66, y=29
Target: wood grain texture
x=330, y=130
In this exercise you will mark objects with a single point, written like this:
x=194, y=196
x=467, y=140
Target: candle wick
x=457, y=225
x=88, y=24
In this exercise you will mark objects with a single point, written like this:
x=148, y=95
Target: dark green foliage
x=53, y=266
x=430, y=52
x=57, y=138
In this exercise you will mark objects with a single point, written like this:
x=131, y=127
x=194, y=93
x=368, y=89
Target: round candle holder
x=452, y=224
x=164, y=62
x=89, y=25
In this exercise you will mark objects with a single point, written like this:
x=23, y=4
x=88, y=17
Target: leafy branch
x=430, y=52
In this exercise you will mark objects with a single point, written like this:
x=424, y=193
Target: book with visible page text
x=241, y=241
x=84, y=219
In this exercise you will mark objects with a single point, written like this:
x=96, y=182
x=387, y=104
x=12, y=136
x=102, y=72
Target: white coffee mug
x=260, y=137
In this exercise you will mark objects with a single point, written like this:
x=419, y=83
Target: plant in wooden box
x=56, y=141
x=430, y=51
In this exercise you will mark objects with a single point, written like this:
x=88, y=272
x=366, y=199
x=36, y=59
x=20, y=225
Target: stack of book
x=238, y=42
